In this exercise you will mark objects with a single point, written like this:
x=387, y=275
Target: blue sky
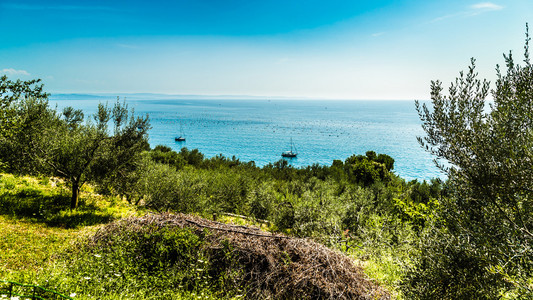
x=335, y=49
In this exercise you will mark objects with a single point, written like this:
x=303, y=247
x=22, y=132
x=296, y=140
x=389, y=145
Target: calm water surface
x=259, y=130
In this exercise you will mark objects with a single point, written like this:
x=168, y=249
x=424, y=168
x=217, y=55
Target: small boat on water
x=290, y=153
x=180, y=138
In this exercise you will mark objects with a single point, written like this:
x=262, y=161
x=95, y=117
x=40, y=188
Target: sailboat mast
x=291, y=144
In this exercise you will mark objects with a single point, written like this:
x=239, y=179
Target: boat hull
x=289, y=154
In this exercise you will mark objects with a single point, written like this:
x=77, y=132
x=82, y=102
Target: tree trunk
x=75, y=195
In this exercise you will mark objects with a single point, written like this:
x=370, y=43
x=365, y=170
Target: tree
x=24, y=112
x=12, y=96
x=80, y=152
x=487, y=223
x=37, y=139
x=369, y=169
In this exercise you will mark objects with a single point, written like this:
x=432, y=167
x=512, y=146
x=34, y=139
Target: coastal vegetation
x=479, y=243
x=94, y=212
x=39, y=206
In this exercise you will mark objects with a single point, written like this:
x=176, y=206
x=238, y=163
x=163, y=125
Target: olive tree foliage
x=37, y=139
x=23, y=108
x=482, y=244
x=13, y=95
x=91, y=151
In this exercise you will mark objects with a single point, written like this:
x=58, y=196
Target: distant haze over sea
x=156, y=96
x=260, y=128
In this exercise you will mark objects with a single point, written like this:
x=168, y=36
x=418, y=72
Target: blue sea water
x=259, y=130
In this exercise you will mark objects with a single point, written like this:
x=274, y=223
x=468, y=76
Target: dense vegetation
x=480, y=242
x=357, y=226
x=466, y=238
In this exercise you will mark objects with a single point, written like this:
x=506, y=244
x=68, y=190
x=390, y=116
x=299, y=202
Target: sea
x=260, y=130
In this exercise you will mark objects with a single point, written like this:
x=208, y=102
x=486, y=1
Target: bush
x=164, y=155
x=451, y=267
x=260, y=202
x=485, y=243
x=366, y=170
x=151, y=262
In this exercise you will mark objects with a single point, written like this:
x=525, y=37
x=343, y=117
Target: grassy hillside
x=36, y=225
x=47, y=244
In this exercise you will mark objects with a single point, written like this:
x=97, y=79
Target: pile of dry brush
x=272, y=266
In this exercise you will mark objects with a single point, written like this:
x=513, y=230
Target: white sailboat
x=290, y=153
x=180, y=138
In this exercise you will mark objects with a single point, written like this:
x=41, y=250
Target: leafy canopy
x=487, y=224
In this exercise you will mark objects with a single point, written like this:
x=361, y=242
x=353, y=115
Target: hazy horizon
x=162, y=96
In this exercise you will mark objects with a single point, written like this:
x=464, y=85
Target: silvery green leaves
x=490, y=209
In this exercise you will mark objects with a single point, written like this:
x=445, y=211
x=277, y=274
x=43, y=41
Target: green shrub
x=260, y=202
x=150, y=262
x=456, y=267
x=366, y=170
x=165, y=155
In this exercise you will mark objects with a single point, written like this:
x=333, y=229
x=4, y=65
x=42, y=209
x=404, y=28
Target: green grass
x=39, y=245
x=27, y=247
x=36, y=223
x=151, y=263
x=385, y=267
x=40, y=239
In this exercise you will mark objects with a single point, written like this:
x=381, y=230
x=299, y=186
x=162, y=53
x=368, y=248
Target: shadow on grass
x=50, y=209
x=77, y=218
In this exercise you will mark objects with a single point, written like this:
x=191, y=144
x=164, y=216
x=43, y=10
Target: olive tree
x=23, y=112
x=13, y=94
x=81, y=152
x=482, y=246
x=37, y=139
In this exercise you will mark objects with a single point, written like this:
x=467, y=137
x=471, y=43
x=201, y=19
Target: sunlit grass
x=385, y=268
x=37, y=227
x=28, y=246
x=34, y=227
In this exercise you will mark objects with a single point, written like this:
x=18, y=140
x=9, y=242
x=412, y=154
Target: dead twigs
x=268, y=265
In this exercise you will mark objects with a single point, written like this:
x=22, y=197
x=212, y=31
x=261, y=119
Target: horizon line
x=165, y=96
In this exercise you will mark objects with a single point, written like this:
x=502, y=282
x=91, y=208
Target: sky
x=335, y=49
